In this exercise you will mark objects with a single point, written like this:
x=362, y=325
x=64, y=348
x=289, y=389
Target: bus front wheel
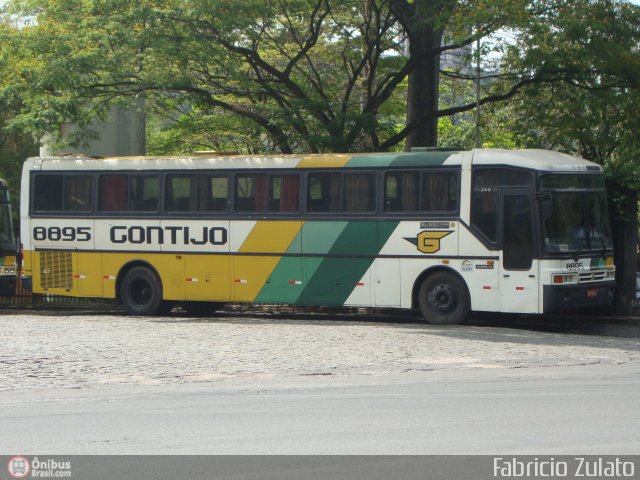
x=444, y=299
x=141, y=292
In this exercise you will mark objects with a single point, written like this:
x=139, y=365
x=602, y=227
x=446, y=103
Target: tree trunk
x=625, y=242
x=422, y=95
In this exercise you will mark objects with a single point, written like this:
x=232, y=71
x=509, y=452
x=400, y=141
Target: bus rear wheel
x=141, y=292
x=444, y=299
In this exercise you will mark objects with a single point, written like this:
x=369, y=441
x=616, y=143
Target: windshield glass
x=6, y=228
x=576, y=222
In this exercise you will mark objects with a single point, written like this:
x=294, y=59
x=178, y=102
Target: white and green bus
x=445, y=232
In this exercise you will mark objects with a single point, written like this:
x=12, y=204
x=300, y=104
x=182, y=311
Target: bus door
x=519, y=267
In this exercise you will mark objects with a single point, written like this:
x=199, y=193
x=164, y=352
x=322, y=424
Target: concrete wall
x=122, y=135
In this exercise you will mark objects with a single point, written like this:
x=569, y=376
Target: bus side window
x=324, y=192
x=484, y=202
x=284, y=193
x=360, y=192
x=439, y=192
x=251, y=193
x=144, y=192
x=213, y=193
x=401, y=192
x=180, y=193
x=49, y=193
x=484, y=212
x=77, y=193
x=114, y=193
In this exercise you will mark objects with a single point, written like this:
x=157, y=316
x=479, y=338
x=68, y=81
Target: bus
x=442, y=232
x=8, y=264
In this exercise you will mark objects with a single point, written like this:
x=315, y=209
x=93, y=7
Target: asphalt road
x=106, y=384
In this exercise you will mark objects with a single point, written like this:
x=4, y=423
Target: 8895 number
x=62, y=234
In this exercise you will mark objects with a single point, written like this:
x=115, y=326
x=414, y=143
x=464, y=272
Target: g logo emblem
x=429, y=242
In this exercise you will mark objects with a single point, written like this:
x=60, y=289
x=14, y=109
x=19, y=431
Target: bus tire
x=200, y=309
x=444, y=299
x=141, y=292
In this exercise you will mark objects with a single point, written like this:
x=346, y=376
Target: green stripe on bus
x=370, y=161
x=335, y=278
x=421, y=159
x=413, y=160
x=319, y=236
x=315, y=237
x=284, y=284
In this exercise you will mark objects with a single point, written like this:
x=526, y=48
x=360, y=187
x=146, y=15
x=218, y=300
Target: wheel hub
x=442, y=298
x=141, y=292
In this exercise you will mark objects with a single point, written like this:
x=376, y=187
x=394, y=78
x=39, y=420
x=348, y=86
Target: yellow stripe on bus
x=324, y=161
x=251, y=272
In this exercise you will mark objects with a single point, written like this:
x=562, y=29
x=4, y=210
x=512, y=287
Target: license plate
x=592, y=293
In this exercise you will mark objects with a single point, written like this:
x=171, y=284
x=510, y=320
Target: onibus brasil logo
x=19, y=467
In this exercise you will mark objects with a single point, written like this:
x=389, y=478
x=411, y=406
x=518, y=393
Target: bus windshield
x=575, y=220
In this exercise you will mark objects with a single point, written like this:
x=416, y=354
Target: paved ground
x=299, y=383
x=85, y=351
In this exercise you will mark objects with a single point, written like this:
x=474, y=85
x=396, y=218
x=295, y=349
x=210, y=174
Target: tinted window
x=48, y=193
x=251, y=193
x=324, y=192
x=213, y=192
x=569, y=181
x=484, y=205
x=484, y=198
x=114, y=193
x=180, y=193
x=284, y=193
x=359, y=192
x=77, y=193
x=61, y=192
x=439, y=192
x=144, y=191
x=500, y=177
x=518, y=233
x=401, y=191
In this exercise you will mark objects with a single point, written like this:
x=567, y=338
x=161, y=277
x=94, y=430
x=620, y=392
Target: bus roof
x=544, y=160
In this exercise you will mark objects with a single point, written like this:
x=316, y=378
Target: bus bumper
x=568, y=297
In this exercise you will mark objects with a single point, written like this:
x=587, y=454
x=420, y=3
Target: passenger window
x=324, y=192
x=401, y=192
x=77, y=193
x=113, y=193
x=439, y=192
x=251, y=193
x=359, y=192
x=180, y=193
x=484, y=202
x=284, y=193
x=144, y=192
x=48, y=193
x=213, y=193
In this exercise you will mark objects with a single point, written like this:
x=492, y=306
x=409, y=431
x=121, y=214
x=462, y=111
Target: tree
x=310, y=74
x=15, y=146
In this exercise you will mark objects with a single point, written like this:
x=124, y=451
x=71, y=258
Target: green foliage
x=590, y=107
x=310, y=75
